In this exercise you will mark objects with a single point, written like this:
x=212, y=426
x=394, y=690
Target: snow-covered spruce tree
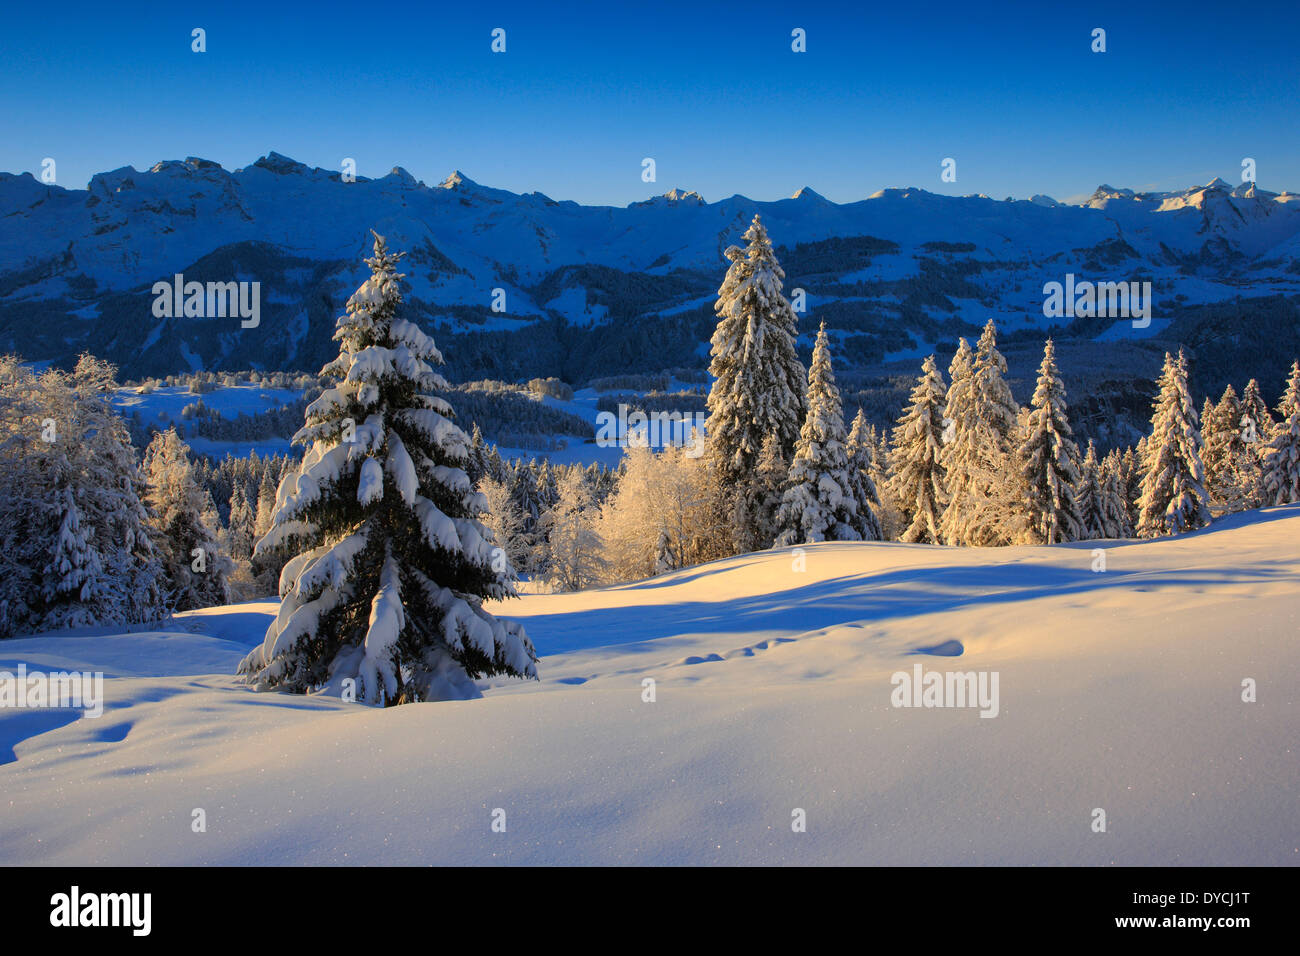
x=770, y=473
x=665, y=560
x=818, y=503
x=861, y=453
x=1231, y=466
x=59, y=433
x=984, y=486
x=1051, y=459
x=74, y=573
x=1089, y=495
x=1173, y=498
x=916, y=459
x=1131, y=483
x=186, y=527
x=759, y=382
x=1114, y=498
x=240, y=525
x=392, y=565
x=1256, y=421
x=1282, y=456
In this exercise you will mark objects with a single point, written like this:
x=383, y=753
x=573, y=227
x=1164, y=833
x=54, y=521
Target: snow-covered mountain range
x=593, y=289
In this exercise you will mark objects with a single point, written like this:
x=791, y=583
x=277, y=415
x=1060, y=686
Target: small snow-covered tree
x=1173, y=498
x=1051, y=459
x=1130, y=475
x=242, y=521
x=818, y=503
x=1114, y=499
x=861, y=454
x=1282, y=455
x=916, y=459
x=392, y=565
x=759, y=382
x=1256, y=422
x=1232, y=465
x=1089, y=495
x=187, y=529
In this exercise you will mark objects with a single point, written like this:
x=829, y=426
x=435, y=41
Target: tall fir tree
x=1114, y=498
x=1256, y=421
x=759, y=382
x=1089, y=494
x=1282, y=455
x=392, y=568
x=770, y=473
x=984, y=486
x=916, y=459
x=1173, y=497
x=818, y=503
x=862, y=484
x=1051, y=459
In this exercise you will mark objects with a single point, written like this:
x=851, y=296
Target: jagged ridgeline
x=383, y=596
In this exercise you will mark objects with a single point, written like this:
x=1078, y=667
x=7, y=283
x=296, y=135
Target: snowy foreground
x=1118, y=690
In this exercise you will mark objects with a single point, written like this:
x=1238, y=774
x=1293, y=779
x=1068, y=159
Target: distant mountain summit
x=893, y=273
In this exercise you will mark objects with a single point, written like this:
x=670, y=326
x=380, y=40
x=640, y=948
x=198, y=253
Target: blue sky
x=712, y=92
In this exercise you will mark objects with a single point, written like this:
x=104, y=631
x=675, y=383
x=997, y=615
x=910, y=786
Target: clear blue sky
x=712, y=92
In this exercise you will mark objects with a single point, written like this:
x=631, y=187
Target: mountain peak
x=281, y=165
x=671, y=198
x=682, y=195
x=458, y=180
x=807, y=193
x=1217, y=183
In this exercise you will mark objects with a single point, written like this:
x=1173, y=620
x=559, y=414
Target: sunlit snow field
x=1119, y=690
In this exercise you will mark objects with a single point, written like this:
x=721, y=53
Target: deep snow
x=1119, y=690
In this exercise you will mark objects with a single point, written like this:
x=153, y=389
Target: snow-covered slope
x=1119, y=690
x=84, y=261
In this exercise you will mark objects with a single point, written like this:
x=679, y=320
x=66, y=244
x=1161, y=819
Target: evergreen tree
x=862, y=485
x=1090, y=496
x=916, y=459
x=1114, y=500
x=74, y=573
x=1282, y=455
x=74, y=539
x=1051, y=460
x=759, y=382
x=771, y=473
x=392, y=565
x=665, y=560
x=241, y=523
x=818, y=503
x=1232, y=474
x=1173, y=498
x=196, y=567
x=1131, y=482
x=984, y=491
x=1256, y=422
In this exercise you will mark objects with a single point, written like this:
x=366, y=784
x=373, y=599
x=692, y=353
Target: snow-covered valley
x=1119, y=690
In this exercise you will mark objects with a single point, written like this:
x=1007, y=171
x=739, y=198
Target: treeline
x=965, y=465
